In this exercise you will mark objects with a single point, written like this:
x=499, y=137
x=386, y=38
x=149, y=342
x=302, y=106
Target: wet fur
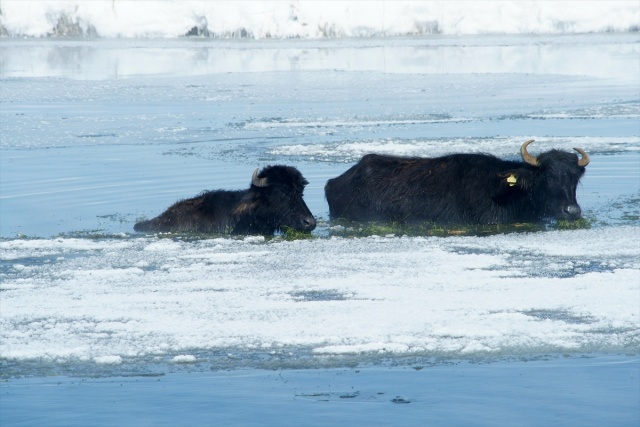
x=257, y=210
x=458, y=188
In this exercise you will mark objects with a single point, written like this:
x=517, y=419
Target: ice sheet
x=501, y=147
x=125, y=300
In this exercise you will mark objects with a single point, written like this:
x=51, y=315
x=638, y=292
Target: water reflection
x=599, y=55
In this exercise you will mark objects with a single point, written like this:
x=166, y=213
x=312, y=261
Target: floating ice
x=501, y=147
x=184, y=358
x=558, y=291
x=108, y=360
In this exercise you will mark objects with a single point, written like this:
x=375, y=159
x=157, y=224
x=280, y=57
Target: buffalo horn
x=258, y=182
x=528, y=158
x=584, y=161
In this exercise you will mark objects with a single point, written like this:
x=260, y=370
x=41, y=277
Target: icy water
x=457, y=330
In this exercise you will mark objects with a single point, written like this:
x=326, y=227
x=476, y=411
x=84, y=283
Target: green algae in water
x=579, y=224
x=291, y=234
x=345, y=228
x=365, y=229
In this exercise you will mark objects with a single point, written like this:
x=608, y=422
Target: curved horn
x=584, y=161
x=258, y=182
x=528, y=158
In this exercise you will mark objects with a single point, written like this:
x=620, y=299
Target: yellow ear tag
x=512, y=180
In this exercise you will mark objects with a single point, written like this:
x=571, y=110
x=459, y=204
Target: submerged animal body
x=459, y=188
x=273, y=201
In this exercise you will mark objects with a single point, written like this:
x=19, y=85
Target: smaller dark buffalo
x=459, y=188
x=273, y=201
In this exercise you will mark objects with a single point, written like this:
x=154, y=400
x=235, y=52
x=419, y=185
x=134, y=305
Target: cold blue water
x=103, y=326
x=556, y=392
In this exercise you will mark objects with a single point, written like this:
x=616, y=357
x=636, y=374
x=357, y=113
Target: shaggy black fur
x=457, y=189
x=257, y=210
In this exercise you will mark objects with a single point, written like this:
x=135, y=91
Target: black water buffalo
x=459, y=188
x=273, y=201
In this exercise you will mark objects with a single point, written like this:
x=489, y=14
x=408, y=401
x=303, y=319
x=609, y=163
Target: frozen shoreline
x=309, y=19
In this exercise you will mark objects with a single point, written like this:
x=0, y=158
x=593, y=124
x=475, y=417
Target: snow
x=311, y=19
x=184, y=358
x=108, y=360
x=433, y=147
x=559, y=291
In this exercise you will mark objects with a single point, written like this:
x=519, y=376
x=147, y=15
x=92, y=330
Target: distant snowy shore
x=310, y=19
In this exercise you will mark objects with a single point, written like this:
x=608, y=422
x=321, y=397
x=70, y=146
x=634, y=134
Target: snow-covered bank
x=311, y=19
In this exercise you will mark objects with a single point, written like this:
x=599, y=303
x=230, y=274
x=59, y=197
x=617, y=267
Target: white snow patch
x=501, y=147
x=108, y=360
x=184, y=358
x=504, y=294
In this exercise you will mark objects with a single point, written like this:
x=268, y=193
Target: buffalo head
x=551, y=180
x=275, y=201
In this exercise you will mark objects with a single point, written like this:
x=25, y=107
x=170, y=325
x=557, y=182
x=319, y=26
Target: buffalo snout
x=572, y=211
x=308, y=223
